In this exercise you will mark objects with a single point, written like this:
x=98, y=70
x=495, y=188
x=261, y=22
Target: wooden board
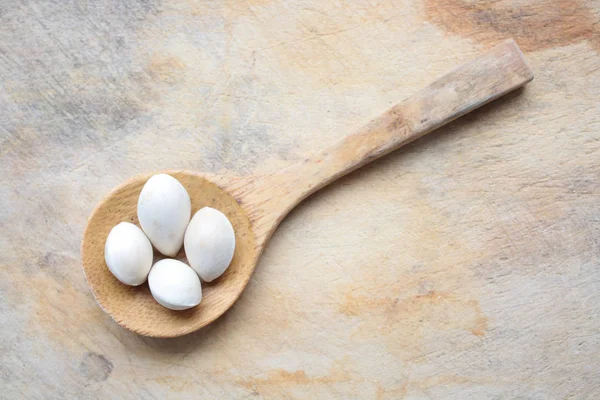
x=462, y=267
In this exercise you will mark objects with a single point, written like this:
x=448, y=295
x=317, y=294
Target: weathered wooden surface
x=465, y=266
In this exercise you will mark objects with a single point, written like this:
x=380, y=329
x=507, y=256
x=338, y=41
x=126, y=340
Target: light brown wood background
x=465, y=266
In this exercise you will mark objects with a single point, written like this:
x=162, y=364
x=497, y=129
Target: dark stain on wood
x=95, y=367
x=535, y=26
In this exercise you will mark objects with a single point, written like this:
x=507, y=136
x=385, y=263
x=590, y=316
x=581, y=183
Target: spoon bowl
x=256, y=205
x=133, y=307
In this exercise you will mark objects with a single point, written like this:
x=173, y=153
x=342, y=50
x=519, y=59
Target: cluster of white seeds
x=164, y=210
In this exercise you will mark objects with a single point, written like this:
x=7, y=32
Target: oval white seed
x=174, y=285
x=164, y=210
x=209, y=243
x=128, y=254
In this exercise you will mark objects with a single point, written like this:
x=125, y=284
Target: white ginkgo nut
x=128, y=254
x=164, y=210
x=174, y=285
x=209, y=243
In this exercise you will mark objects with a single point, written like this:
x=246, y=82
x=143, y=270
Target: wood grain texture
x=464, y=266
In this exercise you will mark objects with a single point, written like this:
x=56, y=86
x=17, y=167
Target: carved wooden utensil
x=256, y=205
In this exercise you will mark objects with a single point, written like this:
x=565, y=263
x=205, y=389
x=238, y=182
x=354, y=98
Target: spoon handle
x=493, y=74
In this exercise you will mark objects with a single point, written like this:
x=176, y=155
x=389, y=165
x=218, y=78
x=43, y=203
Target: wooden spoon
x=256, y=205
